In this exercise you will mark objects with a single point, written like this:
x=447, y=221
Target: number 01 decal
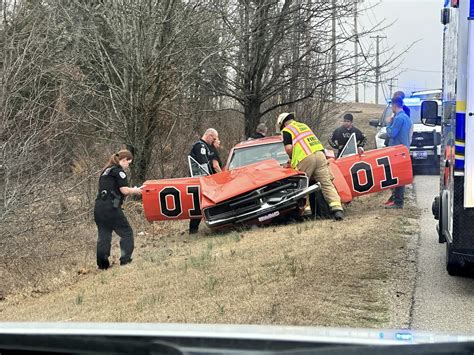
x=170, y=210
x=195, y=193
x=367, y=183
x=366, y=169
x=172, y=206
x=389, y=179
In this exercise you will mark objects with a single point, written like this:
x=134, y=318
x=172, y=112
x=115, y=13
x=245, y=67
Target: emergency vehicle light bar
x=408, y=101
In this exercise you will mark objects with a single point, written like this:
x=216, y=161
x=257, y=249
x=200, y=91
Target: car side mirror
x=374, y=123
x=429, y=113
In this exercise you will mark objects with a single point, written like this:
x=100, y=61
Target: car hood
x=227, y=184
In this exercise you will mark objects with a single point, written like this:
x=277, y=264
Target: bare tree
x=281, y=52
x=36, y=185
x=140, y=58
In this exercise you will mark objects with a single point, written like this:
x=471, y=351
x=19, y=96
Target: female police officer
x=108, y=214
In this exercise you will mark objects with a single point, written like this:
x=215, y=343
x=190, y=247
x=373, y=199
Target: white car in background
x=425, y=148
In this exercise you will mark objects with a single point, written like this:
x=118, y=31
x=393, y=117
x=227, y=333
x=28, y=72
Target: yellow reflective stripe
x=335, y=204
x=460, y=106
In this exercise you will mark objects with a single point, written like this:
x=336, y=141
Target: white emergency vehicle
x=454, y=205
x=425, y=148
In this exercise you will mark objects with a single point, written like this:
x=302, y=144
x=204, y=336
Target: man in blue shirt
x=401, y=94
x=399, y=132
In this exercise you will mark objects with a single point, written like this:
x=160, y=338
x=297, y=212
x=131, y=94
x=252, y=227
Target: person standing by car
x=341, y=135
x=398, y=132
x=405, y=108
x=216, y=159
x=108, y=213
x=260, y=132
x=202, y=153
x=306, y=154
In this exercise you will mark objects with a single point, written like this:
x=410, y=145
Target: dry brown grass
x=312, y=273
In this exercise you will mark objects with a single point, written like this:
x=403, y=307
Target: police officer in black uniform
x=203, y=152
x=108, y=213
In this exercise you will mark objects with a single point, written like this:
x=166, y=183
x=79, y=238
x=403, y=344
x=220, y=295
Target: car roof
x=259, y=141
x=413, y=102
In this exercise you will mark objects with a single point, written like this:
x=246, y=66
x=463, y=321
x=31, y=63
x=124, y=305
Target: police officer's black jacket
x=111, y=180
x=202, y=153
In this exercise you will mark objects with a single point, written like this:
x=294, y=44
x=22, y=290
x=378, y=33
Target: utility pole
x=365, y=87
x=390, y=86
x=356, y=51
x=377, y=67
x=334, y=57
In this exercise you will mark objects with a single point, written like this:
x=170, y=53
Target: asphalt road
x=441, y=302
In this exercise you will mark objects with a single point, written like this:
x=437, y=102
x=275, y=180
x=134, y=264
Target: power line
x=422, y=70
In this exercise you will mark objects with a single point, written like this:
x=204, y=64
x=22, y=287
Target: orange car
x=256, y=186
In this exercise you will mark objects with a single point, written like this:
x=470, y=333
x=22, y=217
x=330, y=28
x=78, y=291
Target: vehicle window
x=414, y=114
x=350, y=148
x=250, y=155
x=196, y=169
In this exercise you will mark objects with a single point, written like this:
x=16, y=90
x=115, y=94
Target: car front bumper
x=266, y=212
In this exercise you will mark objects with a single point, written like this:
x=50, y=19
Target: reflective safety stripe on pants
x=316, y=168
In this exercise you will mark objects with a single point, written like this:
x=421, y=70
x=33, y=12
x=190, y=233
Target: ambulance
x=453, y=207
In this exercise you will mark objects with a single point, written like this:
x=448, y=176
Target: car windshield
x=249, y=155
x=414, y=114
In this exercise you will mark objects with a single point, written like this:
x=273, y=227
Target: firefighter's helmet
x=285, y=116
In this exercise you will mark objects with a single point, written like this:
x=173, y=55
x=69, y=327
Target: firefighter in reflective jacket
x=306, y=154
x=108, y=213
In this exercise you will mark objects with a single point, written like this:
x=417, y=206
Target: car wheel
x=437, y=210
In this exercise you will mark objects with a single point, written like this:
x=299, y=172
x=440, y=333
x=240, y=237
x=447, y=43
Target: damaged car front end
x=263, y=204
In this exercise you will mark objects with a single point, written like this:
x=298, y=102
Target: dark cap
x=348, y=117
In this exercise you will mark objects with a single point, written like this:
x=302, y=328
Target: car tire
x=437, y=210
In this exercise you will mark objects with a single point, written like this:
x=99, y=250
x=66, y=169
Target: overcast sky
x=415, y=21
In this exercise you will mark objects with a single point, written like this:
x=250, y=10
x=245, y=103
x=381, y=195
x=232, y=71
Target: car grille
x=248, y=202
x=422, y=139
